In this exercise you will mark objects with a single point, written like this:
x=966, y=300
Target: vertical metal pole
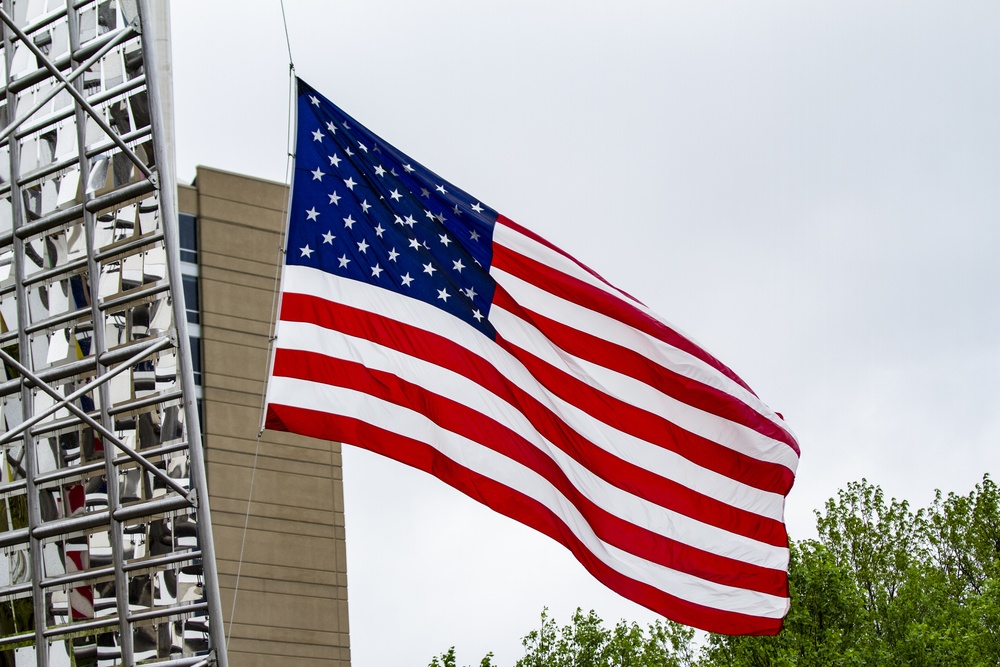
x=98, y=347
x=171, y=239
x=24, y=353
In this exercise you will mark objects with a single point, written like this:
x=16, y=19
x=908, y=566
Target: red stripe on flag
x=457, y=418
x=577, y=291
x=640, y=481
x=653, y=428
x=517, y=506
x=507, y=222
x=635, y=365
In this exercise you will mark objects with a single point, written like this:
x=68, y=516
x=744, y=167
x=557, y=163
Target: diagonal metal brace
x=26, y=372
x=66, y=402
x=77, y=95
x=123, y=35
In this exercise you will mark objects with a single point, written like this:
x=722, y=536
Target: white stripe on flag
x=601, y=326
x=460, y=389
x=711, y=427
x=486, y=462
x=509, y=237
x=627, y=447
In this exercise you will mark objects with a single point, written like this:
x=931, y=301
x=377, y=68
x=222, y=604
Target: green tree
x=883, y=585
x=447, y=659
x=825, y=625
x=948, y=612
x=586, y=642
x=878, y=542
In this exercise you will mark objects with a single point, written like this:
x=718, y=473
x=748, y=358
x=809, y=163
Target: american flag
x=418, y=323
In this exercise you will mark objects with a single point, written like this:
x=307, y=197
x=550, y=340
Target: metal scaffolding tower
x=106, y=552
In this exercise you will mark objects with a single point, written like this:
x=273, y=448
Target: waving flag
x=419, y=323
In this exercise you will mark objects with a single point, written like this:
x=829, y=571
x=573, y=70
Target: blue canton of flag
x=363, y=210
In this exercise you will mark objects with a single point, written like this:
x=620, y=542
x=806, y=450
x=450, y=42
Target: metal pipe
x=97, y=426
x=161, y=612
x=82, y=391
x=24, y=351
x=99, y=345
x=97, y=98
x=30, y=78
x=94, y=149
x=79, y=367
x=120, y=37
x=13, y=537
x=77, y=95
x=80, y=471
x=171, y=239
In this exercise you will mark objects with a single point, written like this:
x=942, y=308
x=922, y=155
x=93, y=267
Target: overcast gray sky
x=810, y=190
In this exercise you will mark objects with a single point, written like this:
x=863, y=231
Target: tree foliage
x=447, y=659
x=586, y=642
x=886, y=585
x=882, y=585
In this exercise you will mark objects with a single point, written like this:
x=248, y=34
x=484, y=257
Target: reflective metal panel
x=105, y=546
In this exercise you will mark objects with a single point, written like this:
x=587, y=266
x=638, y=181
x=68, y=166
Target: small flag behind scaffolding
x=419, y=323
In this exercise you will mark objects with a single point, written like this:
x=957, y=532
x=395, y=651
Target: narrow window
x=191, y=303
x=196, y=359
x=189, y=237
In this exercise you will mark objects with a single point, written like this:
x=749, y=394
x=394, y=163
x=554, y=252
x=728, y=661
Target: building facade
x=285, y=541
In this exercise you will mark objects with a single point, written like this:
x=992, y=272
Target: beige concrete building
x=291, y=598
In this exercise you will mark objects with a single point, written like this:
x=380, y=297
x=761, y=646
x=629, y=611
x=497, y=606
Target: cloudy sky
x=810, y=190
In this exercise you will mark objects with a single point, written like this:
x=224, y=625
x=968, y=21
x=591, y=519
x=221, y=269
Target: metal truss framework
x=106, y=553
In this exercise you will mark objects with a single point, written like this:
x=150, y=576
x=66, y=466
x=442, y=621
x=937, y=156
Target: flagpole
x=290, y=176
x=280, y=269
